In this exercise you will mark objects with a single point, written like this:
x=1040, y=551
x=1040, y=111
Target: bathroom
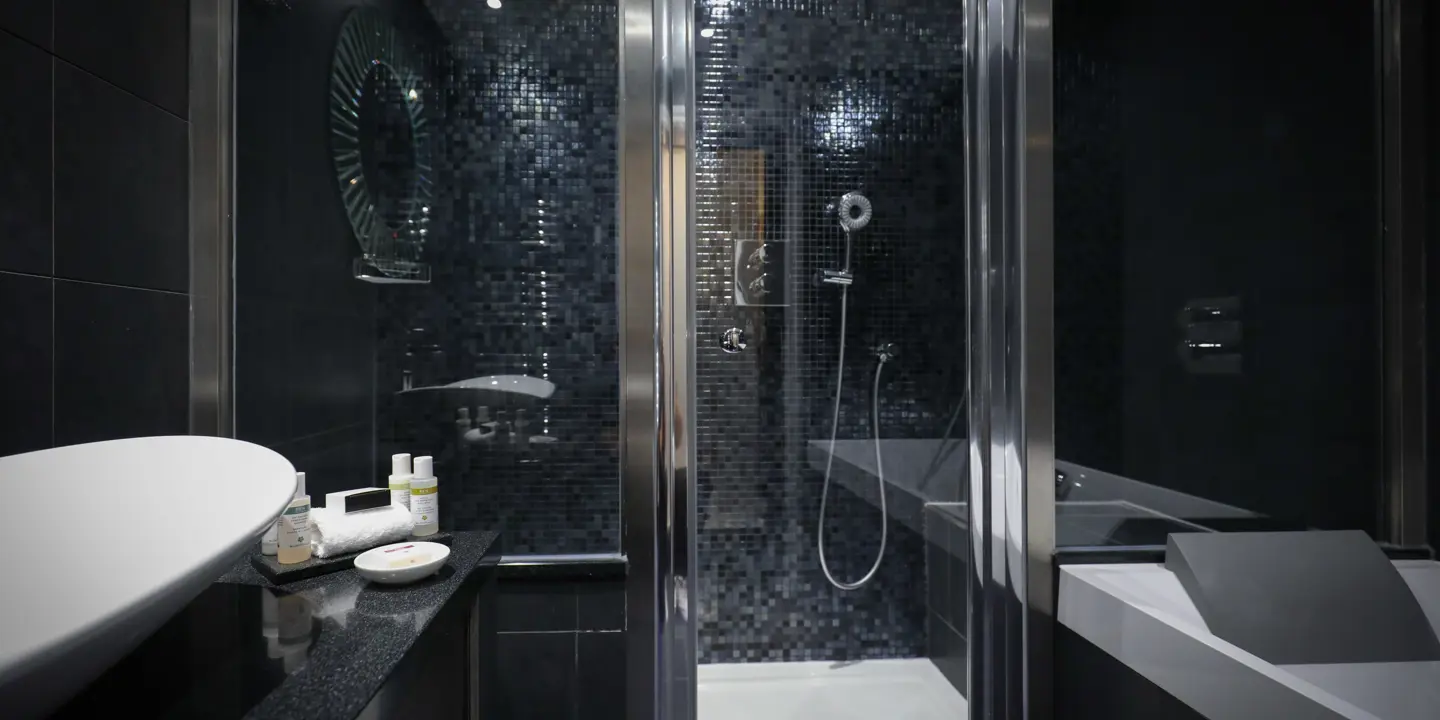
x=778, y=359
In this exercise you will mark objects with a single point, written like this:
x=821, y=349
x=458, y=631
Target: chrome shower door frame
x=657, y=356
x=1010, y=364
x=1009, y=238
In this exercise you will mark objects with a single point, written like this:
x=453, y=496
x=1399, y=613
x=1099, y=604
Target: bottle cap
x=400, y=464
x=299, y=485
x=424, y=467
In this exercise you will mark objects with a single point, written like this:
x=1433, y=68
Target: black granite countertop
x=365, y=630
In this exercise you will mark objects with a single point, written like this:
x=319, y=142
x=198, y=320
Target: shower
x=854, y=211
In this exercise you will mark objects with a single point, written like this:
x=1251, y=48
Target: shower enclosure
x=824, y=442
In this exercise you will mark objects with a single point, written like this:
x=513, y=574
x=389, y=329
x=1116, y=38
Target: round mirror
x=381, y=141
x=387, y=145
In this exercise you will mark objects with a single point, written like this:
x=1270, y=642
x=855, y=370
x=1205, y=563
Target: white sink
x=106, y=541
x=502, y=387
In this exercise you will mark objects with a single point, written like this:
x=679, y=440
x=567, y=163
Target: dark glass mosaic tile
x=523, y=265
x=799, y=102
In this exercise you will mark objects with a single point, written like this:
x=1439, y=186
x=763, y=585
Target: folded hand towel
x=337, y=533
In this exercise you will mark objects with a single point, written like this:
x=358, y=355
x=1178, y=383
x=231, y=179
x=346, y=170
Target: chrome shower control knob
x=733, y=340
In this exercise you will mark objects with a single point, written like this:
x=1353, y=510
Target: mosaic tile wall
x=800, y=101
x=523, y=258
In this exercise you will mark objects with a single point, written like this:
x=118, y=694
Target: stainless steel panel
x=1012, y=516
x=1036, y=271
x=641, y=511
x=1402, y=125
x=212, y=54
x=677, y=354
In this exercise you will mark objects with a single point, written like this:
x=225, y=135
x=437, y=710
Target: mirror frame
x=368, y=40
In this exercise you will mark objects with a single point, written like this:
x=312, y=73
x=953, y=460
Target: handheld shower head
x=854, y=211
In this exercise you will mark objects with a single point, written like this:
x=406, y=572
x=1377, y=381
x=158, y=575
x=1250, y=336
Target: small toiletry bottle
x=400, y=479
x=425, y=497
x=270, y=541
x=295, y=527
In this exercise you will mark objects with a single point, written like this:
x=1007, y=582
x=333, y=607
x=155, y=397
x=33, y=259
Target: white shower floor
x=909, y=689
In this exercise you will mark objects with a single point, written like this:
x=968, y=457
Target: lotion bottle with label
x=425, y=497
x=400, y=475
x=294, y=544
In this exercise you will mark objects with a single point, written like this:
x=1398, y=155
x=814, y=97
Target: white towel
x=337, y=533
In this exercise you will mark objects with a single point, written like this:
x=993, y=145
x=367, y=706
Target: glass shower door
x=828, y=271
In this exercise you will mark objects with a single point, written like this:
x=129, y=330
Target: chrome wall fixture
x=212, y=54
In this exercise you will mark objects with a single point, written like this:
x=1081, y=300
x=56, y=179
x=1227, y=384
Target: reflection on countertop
x=315, y=649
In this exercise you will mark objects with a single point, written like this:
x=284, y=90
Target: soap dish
x=402, y=563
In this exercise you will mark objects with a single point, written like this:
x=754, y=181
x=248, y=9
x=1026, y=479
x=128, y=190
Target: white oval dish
x=402, y=562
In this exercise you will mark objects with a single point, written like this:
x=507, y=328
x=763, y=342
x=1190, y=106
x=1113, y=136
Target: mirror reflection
x=387, y=145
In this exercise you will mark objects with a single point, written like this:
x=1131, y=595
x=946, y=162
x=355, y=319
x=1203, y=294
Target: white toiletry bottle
x=400, y=479
x=294, y=546
x=425, y=497
x=270, y=541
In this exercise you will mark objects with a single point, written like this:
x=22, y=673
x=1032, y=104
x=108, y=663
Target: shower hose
x=830, y=456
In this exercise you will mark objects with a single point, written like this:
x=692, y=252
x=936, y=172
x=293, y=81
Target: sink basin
x=105, y=541
x=495, y=390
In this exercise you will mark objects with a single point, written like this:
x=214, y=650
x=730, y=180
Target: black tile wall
x=334, y=458
x=25, y=157
x=947, y=599
x=536, y=675
x=798, y=102
x=127, y=162
x=537, y=606
x=29, y=19
x=1241, y=208
x=561, y=649
x=949, y=652
x=94, y=199
x=143, y=47
x=1087, y=219
x=26, y=364
x=305, y=327
x=122, y=361
x=600, y=676
x=601, y=605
